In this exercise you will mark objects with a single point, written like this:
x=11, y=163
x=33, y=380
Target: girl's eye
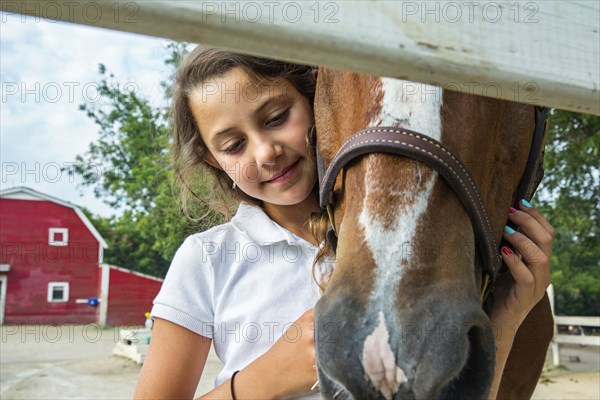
x=234, y=147
x=279, y=119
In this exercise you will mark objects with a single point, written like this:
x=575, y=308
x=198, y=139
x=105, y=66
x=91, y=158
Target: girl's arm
x=174, y=363
x=531, y=274
x=286, y=370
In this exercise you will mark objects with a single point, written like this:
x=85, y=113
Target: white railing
x=536, y=52
x=571, y=339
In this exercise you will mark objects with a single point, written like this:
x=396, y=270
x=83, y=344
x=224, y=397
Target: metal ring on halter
x=484, y=287
x=330, y=215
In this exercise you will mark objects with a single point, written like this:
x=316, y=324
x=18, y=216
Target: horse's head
x=401, y=316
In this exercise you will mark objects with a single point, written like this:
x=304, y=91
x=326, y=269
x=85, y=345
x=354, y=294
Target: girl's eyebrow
x=265, y=104
x=273, y=99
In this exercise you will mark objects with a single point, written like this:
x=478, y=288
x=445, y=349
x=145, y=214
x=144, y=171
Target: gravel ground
x=71, y=362
x=75, y=362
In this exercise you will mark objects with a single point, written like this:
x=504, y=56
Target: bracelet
x=231, y=385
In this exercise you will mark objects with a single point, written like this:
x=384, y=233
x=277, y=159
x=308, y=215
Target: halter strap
x=407, y=143
x=404, y=142
x=534, y=169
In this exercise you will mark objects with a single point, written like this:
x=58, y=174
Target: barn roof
x=25, y=193
x=130, y=271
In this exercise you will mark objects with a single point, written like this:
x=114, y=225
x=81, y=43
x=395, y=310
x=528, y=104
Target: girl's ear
x=209, y=159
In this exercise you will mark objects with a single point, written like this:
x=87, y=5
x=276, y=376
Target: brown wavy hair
x=191, y=170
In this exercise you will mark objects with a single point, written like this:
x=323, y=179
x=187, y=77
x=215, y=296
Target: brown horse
x=401, y=316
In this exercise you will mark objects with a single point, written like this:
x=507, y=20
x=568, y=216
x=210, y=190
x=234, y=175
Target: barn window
x=58, y=292
x=58, y=236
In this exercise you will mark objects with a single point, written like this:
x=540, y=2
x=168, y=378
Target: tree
x=570, y=199
x=129, y=168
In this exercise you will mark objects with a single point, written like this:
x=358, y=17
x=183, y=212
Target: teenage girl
x=246, y=286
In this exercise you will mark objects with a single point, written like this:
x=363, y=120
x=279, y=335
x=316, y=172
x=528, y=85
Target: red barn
x=51, y=269
x=130, y=295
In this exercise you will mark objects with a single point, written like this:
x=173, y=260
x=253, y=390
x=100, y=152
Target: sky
x=47, y=69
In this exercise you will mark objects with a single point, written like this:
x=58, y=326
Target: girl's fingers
x=535, y=226
x=522, y=296
x=526, y=207
x=533, y=259
x=531, y=253
x=521, y=274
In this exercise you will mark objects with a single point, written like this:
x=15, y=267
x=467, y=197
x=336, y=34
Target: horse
x=401, y=315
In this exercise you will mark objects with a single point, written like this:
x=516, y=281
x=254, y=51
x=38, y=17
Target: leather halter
x=406, y=143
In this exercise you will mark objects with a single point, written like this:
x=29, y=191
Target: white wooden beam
x=577, y=339
x=538, y=52
x=578, y=321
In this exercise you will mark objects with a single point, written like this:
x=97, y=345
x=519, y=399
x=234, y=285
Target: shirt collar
x=252, y=221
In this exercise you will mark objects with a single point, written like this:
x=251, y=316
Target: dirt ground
x=75, y=362
x=578, y=377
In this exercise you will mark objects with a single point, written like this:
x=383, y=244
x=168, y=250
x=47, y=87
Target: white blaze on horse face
x=410, y=105
x=391, y=244
x=417, y=107
x=379, y=362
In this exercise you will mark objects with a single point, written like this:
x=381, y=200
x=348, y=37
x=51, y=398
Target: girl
x=248, y=120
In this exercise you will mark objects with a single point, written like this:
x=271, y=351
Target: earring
x=233, y=186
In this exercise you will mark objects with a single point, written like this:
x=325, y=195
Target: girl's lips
x=286, y=174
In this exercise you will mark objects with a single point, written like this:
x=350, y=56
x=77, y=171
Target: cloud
x=47, y=70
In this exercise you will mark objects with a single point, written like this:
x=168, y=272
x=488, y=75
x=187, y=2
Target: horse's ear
x=315, y=72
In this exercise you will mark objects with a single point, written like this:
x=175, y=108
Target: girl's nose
x=267, y=153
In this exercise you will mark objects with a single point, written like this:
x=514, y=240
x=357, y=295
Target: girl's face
x=257, y=135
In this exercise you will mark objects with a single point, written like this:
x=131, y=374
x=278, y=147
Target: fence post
x=554, y=345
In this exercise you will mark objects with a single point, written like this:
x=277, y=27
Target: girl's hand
x=295, y=360
x=290, y=363
x=530, y=270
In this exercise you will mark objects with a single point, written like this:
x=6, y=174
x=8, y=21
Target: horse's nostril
x=475, y=376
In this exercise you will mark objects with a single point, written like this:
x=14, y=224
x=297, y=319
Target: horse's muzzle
x=432, y=351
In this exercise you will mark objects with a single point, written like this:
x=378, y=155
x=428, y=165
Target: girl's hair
x=191, y=170
x=197, y=68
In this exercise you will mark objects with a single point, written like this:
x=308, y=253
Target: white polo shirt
x=242, y=284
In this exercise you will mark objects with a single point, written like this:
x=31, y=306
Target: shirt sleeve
x=185, y=297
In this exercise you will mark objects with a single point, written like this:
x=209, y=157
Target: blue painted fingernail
x=526, y=203
x=509, y=230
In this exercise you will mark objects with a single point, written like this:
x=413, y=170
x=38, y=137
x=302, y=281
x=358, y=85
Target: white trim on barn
x=544, y=52
x=53, y=241
x=104, y=289
x=25, y=193
x=65, y=292
x=3, y=289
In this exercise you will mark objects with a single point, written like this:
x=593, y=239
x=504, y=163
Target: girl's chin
x=291, y=199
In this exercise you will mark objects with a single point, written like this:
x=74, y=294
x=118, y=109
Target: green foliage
x=122, y=164
x=570, y=200
x=129, y=168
